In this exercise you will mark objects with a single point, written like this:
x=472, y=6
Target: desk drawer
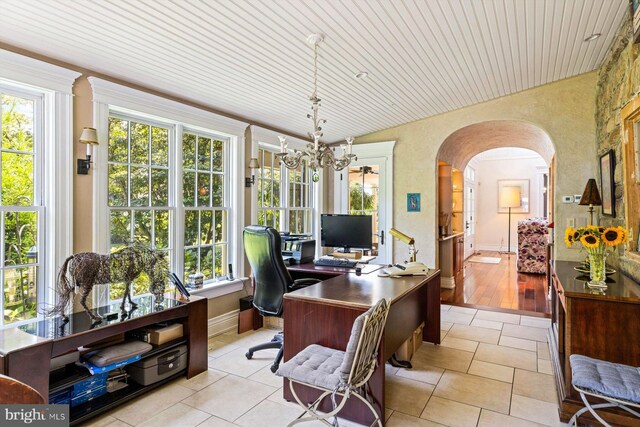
x=559, y=292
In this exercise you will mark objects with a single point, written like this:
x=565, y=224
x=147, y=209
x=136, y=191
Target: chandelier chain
x=315, y=71
x=317, y=154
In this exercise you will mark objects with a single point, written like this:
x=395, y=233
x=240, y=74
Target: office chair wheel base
x=397, y=363
x=274, y=368
x=249, y=355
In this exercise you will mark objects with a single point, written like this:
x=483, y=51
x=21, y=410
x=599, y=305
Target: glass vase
x=597, y=270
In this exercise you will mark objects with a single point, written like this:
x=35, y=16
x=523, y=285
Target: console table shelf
x=600, y=325
x=26, y=351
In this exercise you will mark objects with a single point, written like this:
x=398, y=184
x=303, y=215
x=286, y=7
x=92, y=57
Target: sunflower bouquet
x=598, y=242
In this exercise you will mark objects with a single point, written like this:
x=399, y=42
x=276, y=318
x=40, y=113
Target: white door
x=364, y=188
x=470, y=189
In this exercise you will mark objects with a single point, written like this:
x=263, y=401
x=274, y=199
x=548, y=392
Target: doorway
x=470, y=208
x=500, y=284
x=364, y=188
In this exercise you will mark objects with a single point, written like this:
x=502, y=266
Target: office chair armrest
x=303, y=283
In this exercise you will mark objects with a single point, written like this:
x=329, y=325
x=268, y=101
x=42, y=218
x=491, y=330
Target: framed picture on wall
x=514, y=194
x=413, y=202
x=607, y=167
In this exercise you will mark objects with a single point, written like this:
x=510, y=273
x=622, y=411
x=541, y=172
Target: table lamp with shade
x=591, y=197
x=509, y=197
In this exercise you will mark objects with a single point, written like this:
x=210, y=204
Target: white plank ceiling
x=250, y=57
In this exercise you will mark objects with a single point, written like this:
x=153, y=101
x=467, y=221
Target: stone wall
x=618, y=80
x=618, y=84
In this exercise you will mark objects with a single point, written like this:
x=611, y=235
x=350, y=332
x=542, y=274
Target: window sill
x=219, y=289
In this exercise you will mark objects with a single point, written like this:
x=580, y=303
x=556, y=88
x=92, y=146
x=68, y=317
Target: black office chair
x=272, y=280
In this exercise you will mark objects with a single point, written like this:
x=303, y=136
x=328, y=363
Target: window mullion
x=176, y=197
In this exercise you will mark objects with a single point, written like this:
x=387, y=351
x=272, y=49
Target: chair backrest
x=263, y=248
x=361, y=354
x=13, y=391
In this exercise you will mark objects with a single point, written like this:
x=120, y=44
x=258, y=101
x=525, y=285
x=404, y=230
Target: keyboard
x=335, y=262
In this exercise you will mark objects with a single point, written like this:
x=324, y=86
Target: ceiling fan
x=365, y=170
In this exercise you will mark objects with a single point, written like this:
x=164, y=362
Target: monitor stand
x=347, y=254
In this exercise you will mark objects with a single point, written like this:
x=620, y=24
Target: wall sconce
x=88, y=136
x=253, y=165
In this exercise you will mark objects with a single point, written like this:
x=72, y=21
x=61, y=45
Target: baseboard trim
x=496, y=248
x=223, y=323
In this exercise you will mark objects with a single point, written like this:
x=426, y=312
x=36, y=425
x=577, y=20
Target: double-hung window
x=36, y=175
x=21, y=204
x=139, y=210
x=271, y=209
x=299, y=204
x=205, y=200
x=285, y=197
x=146, y=206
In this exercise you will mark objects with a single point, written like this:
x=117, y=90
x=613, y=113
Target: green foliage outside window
x=20, y=233
x=359, y=200
x=138, y=188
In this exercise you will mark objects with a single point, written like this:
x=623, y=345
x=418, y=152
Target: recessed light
x=361, y=75
x=592, y=37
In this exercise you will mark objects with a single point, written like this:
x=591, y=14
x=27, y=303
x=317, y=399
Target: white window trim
x=109, y=96
x=56, y=84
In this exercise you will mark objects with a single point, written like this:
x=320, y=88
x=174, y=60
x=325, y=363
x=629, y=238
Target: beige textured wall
x=564, y=110
x=82, y=184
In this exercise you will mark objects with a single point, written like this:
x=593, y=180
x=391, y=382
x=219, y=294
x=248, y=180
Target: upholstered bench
x=617, y=384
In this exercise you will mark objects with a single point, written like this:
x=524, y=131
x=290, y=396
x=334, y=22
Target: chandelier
x=317, y=153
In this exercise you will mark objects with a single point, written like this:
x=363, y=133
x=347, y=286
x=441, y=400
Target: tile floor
x=492, y=369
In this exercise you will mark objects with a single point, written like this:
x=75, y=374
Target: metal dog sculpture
x=86, y=269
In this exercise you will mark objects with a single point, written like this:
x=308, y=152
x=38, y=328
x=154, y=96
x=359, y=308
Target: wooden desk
x=324, y=314
x=602, y=326
x=310, y=270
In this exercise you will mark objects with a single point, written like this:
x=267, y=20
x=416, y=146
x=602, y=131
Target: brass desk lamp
x=408, y=240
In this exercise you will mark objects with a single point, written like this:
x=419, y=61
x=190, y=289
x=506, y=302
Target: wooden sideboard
x=26, y=351
x=604, y=326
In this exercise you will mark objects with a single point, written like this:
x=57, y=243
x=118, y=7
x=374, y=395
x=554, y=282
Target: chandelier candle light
x=318, y=153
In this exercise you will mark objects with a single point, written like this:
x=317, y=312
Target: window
x=284, y=196
x=140, y=196
x=299, y=200
x=364, y=196
x=21, y=205
x=270, y=208
x=205, y=203
x=138, y=164
x=630, y=115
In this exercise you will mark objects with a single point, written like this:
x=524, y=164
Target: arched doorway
x=455, y=191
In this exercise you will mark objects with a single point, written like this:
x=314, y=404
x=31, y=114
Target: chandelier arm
x=291, y=161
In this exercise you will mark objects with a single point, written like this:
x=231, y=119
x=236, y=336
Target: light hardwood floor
x=500, y=286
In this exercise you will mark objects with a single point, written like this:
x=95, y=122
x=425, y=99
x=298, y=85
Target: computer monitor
x=346, y=231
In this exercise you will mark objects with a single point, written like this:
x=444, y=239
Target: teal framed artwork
x=413, y=202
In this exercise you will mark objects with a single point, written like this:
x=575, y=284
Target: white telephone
x=405, y=269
